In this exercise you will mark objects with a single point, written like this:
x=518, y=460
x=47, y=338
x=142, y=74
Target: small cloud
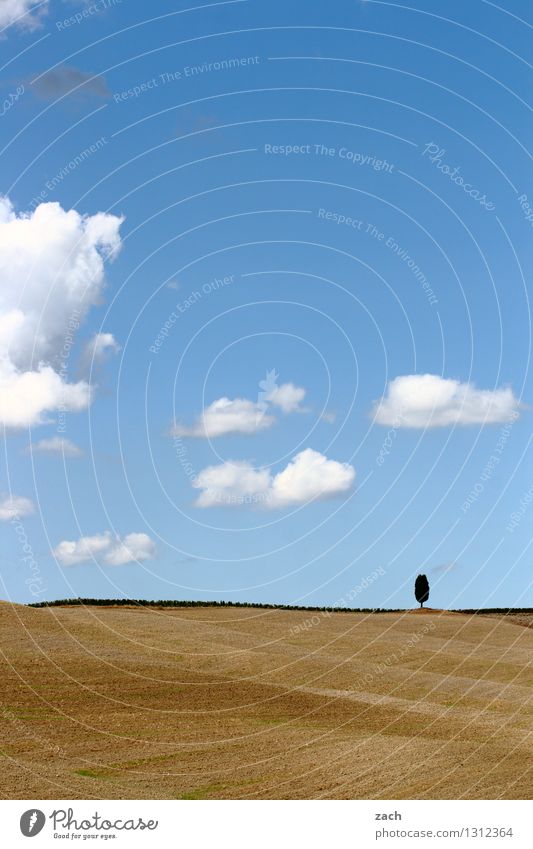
x=15, y=507
x=69, y=553
x=134, y=547
x=99, y=349
x=26, y=14
x=66, y=79
x=174, y=285
x=309, y=476
x=288, y=398
x=224, y=416
x=428, y=400
x=232, y=484
x=329, y=416
x=191, y=123
x=56, y=445
x=240, y=415
x=114, y=551
x=444, y=567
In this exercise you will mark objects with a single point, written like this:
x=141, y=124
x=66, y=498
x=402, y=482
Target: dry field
x=201, y=703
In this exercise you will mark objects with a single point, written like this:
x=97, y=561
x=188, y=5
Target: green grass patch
x=92, y=773
x=206, y=790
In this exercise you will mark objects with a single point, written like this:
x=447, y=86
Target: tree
x=421, y=589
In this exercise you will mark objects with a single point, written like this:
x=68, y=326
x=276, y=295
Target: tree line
x=139, y=602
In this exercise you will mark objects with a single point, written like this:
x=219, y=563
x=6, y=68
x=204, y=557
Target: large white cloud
x=15, y=507
x=113, y=551
x=51, y=274
x=309, y=476
x=27, y=13
x=428, y=400
x=240, y=415
x=26, y=396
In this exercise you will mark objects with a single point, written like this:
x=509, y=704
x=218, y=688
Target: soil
x=210, y=703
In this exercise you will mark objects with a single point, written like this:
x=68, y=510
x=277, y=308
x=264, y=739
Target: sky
x=264, y=301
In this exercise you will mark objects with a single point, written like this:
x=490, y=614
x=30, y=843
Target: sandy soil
x=240, y=703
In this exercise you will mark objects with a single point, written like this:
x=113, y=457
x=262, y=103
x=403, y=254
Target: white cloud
x=51, y=274
x=99, y=348
x=240, y=415
x=427, y=400
x=56, y=445
x=231, y=483
x=15, y=507
x=13, y=10
x=132, y=547
x=114, y=551
x=309, y=476
x=26, y=396
x=287, y=397
x=225, y=416
x=69, y=553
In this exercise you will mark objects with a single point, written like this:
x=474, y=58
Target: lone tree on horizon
x=421, y=589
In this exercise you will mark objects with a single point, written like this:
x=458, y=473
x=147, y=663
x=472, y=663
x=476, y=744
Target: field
x=206, y=703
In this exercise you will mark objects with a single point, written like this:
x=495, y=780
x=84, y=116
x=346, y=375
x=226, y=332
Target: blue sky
x=297, y=242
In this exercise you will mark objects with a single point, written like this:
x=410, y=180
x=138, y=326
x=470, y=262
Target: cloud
x=232, y=483
x=69, y=553
x=225, y=416
x=25, y=13
x=68, y=80
x=52, y=266
x=427, y=400
x=26, y=396
x=15, y=507
x=240, y=415
x=132, y=547
x=56, y=445
x=329, y=416
x=442, y=568
x=113, y=551
x=287, y=397
x=308, y=477
x=99, y=349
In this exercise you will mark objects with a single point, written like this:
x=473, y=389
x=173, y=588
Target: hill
x=242, y=702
